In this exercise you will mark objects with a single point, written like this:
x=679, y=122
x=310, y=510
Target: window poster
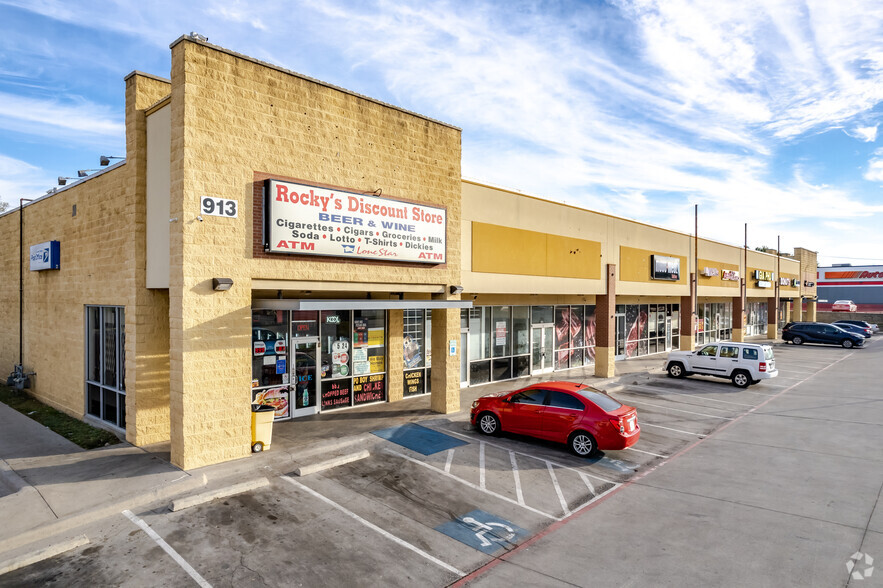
x=360, y=332
x=413, y=355
x=336, y=394
x=369, y=389
x=414, y=382
x=277, y=397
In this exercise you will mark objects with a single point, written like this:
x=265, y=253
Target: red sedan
x=584, y=418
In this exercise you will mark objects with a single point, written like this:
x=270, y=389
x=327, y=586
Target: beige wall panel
x=505, y=250
x=159, y=129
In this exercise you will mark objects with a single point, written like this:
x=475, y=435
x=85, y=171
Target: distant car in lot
x=584, y=418
x=858, y=330
x=845, y=305
x=873, y=326
x=743, y=363
x=800, y=333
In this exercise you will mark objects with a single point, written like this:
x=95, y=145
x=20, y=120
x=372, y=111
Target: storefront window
x=105, y=358
x=269, y=360
x=336, y=328
x=502, y=321
x=521, y=328
x=479, y=332
x=415, y=336
x=648, y=328
x=542, y=315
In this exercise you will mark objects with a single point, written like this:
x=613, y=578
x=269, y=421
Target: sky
x=765, y=112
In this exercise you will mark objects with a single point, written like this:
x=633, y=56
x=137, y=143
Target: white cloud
x=866, y=134
x=19, y=179
x=49, y=117
x=874, y=172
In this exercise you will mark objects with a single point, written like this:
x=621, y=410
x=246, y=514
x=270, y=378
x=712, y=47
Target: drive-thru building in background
x=271, y=238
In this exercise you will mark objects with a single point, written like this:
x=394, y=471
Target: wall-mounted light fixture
x=85, y=172
x=105, y=159
x=221, y=284
x=62, y=180
x=456, y=289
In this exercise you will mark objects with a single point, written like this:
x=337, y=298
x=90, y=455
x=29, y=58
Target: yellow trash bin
x=261, y=426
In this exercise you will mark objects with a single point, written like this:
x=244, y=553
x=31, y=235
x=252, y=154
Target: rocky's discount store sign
x=318, y=221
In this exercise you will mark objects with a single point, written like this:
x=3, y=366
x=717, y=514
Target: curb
x=51, y=551
x=204, y=497
x=91, y=516
x=331, y=463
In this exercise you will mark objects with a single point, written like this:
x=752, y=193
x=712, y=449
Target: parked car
x=873, y=326
x=858, y=330
x=846, y=305
x=800, y=333
x=584, y=418
x=743, y=363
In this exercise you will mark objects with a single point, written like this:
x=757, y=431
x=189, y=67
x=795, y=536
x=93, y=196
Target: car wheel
x=488, y=423
x=582, y=444
x=676, y=370
x=847, y=343
x=257, y=447
x=798, y=340
x=741, y=379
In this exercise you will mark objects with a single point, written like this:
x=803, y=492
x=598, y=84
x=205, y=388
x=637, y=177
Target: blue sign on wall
x=46, y=256
x=280, y=366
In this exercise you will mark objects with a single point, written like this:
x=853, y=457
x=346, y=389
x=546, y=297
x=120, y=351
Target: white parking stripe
x=713, y=416
x=646, y=424
x=470, y=484
x=481, y=482
x=449, y=461
x=517, y=476
x=168, y=549
x=648, y=453
x=662, y=393
x=374, y=527
x=558, y=490
x=558, y=465
x=587, y=482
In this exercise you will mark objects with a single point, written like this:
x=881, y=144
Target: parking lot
x=404, y=516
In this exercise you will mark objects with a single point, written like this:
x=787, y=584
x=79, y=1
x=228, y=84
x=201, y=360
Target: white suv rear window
x=749, y=353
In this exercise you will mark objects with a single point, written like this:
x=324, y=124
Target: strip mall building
x=272, y=238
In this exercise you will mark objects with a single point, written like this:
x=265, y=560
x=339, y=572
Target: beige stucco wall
x=159, y=136
x=232, y=118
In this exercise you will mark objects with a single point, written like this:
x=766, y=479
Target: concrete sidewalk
x=50, y=487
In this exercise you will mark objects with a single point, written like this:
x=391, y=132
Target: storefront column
x=772, y=318
x=738, y=319
x=688, y=324
x=395, y=387
x=811, y=310
x=797, y=310
x=445, y=366
x=605, y=328
x=788, y=306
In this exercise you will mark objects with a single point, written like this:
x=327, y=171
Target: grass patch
x=86, y=436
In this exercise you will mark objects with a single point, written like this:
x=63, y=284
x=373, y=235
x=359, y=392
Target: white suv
x=743, y=363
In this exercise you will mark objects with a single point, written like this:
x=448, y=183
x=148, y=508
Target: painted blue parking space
x=483, y=531
x=419, y=439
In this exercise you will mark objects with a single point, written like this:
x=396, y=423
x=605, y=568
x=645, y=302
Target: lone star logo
x=855, y=562
x=349, y=248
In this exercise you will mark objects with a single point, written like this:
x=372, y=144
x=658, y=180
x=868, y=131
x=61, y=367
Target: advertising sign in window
x=368, y=389
x=310, y=220
x=336, y=394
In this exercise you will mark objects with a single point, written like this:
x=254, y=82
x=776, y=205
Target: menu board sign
x=335, y=394
x=310, y=220
x=369, y=389
x=415, y=382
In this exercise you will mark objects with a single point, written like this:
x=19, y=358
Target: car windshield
x=603, y=401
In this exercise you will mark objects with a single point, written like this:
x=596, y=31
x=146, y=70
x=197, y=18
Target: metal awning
x=326, y=304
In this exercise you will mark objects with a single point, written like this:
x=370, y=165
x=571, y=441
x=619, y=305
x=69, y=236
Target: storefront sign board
x=335, y=393
x=665, y=268
x=414, y=382
x=311, y=220
x=45, y=256
x=731, y=275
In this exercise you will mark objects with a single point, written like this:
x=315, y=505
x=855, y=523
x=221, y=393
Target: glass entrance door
x=304, y=377
x=668, y=333
x=542, y=354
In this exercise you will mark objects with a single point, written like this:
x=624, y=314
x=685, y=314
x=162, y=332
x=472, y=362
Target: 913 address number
x=219, y=207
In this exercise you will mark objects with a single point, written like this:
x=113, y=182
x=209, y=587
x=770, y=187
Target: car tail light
x=617, y=422
x=763, y=366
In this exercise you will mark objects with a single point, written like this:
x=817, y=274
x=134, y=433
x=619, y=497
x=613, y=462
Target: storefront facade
x=274, y=239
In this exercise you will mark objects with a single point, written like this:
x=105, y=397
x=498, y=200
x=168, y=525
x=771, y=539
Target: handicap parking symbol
x=483, y=531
